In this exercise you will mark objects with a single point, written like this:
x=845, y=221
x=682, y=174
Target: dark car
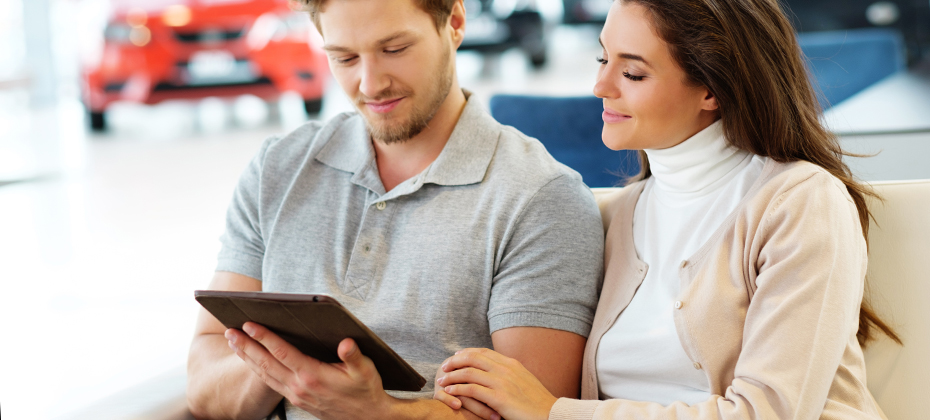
x=155, y=50
x=585, y=11
x=498, y=25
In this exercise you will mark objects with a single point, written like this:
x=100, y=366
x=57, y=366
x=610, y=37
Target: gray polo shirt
x=493, y=234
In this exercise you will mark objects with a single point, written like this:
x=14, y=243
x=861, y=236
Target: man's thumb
x=349, y=353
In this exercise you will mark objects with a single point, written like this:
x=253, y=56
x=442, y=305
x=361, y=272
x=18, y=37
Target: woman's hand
x=470, y=404
x=502, y=383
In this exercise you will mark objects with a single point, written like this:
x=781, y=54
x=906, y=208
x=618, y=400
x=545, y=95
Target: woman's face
x=647, y=102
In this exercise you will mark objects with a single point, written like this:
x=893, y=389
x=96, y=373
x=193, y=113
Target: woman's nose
x=605, y=86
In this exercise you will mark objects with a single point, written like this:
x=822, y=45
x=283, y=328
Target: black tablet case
x=315, y=324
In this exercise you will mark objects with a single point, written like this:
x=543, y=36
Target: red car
x=157, y=50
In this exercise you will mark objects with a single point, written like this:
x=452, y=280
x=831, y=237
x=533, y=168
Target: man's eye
x=344, y=60
x=396, y=50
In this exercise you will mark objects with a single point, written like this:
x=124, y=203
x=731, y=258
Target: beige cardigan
x=769, y=306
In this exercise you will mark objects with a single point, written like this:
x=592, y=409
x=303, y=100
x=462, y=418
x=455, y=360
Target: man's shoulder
x=306, y=141
x=523, y=161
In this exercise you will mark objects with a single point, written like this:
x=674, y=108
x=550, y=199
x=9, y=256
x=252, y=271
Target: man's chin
x=389, y=133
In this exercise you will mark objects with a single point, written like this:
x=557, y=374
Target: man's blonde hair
x=438, y=9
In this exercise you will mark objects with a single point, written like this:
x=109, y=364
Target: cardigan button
x=678, y=304
x=697, y=365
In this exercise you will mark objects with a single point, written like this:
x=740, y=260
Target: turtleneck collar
x=697, y=165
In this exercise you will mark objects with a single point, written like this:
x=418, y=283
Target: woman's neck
x=697, y=165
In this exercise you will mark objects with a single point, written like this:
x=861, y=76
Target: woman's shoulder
x=799, y=179
x=612, y=201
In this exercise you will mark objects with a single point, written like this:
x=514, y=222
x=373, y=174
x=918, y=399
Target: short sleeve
x=242, y=247
x=552, y=268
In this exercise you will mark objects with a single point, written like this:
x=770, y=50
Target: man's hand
x=348, y=390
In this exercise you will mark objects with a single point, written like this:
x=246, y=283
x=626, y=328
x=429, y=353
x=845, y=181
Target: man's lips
x=611, y=116
x=383, y=107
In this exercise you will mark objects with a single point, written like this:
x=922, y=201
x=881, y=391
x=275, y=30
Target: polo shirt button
x=677, y=304
x=381, y=205
x=697, y=365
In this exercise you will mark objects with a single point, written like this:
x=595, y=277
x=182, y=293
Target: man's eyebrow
x=627, y=56
x=393, y=37
x=381, y=42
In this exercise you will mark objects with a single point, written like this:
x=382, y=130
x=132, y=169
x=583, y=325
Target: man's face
x=390, y=60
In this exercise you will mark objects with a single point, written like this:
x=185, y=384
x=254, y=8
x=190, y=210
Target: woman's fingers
x=479, y=409
x=476, y=358
x=440, y=394
x=477, y=392
x=488, y=353
x=468, y=375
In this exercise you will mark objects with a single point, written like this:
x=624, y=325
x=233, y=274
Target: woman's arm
x=802, y=318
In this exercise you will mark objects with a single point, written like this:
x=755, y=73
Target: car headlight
x=294, y=26
x=119, y=33
x=133, y=31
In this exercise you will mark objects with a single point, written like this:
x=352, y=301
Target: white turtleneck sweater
x=694, y=186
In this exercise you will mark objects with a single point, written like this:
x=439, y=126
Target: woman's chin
x=617, y=143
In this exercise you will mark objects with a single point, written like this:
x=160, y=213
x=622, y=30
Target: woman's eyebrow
x=627, y=56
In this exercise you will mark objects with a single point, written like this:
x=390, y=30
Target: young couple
x=730, y=283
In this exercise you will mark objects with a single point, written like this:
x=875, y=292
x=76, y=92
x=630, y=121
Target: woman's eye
x=632, y=77
x=600, y=59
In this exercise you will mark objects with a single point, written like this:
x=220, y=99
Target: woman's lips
x=611, y=116
x=383, y=107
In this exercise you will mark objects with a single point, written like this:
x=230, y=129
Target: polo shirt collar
x=349, y=147
x=466, y=157
x=463, y=161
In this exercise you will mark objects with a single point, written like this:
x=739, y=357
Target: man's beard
x=422, y=112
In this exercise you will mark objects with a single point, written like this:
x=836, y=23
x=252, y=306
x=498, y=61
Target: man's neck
x=398, y=162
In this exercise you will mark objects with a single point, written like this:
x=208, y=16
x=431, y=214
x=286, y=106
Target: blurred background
x=124, y=125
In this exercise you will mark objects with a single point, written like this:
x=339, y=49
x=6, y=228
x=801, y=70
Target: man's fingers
x=479, y=409
x=257, y=358
x=281, y=350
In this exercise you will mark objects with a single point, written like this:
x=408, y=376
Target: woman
x=735, y=263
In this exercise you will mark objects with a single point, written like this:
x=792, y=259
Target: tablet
x=315, y=324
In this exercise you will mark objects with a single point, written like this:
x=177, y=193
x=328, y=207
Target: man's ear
x=457, y=23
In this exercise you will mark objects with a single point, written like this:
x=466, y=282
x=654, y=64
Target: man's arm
x=553, y=356
x=352, y=390
x=219, y=384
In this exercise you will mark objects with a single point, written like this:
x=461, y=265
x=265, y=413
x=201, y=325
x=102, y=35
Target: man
x=436, y=226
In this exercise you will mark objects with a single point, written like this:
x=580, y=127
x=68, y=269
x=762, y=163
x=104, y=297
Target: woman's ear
x=709, y=103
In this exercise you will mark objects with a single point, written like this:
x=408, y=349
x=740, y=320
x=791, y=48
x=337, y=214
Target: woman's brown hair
x=746, y=54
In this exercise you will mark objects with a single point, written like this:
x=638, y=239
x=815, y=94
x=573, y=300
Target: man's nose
x=373, y=79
